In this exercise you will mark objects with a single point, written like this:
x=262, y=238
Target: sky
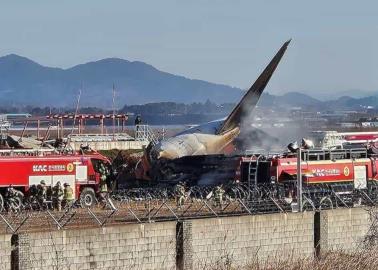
x=334, y=43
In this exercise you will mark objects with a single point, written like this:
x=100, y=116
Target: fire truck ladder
x=252, y=171
x=26, y=152
x=269, y=203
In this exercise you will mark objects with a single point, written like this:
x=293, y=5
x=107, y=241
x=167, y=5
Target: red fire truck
x=332, y=176
x=353, y=166
x=25, y=168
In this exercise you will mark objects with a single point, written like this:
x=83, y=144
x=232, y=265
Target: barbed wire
x=143, y=205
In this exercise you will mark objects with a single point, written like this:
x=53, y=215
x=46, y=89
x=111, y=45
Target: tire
x=87, y=197
x=1, y=203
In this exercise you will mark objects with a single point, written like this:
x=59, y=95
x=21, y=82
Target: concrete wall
x=189, y=244
x=145, y=246
x=5, y=251
x=240, y=240
x=343, y=229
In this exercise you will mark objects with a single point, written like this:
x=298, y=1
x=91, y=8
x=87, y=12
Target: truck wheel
x=87, y=197
x=1, y=203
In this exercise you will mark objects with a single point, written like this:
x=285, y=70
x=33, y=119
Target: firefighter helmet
x=293, y=147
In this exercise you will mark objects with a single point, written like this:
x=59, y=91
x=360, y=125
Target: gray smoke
x=269, y=131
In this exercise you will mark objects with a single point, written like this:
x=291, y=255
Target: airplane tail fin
x=250, y=99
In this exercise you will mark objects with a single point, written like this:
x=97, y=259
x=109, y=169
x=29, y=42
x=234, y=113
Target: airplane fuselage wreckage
x=212, y=138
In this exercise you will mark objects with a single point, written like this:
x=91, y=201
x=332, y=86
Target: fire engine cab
x=25, y=168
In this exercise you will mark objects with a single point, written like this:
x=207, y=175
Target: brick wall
x=240, y=240
x=343, y=229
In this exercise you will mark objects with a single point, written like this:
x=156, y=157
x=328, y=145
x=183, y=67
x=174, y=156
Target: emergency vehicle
x=25, y=168
x=332, y=176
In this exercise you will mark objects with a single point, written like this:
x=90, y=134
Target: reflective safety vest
x=41, y=191
x=103, y=186
x=58, y=192
x=68, y=194
x=179, y=190
x=219, y=192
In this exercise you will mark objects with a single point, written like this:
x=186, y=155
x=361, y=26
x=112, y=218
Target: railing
x=27, y=152
x=99, y=137
x=144, y=133
x=322, y=154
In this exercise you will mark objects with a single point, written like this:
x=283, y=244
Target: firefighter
x=218, y=195
x=293, y=147
x=84, y=148
x=307, y=144
x=14, y=198
x=41, y=194
x=180, y=194
x=104, y=173
x=137, y=122
x=57, y=195
x=11, y=192
x=68, y=196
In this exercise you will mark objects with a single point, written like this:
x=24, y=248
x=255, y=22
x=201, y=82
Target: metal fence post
x=299, y=180
x=149, y=210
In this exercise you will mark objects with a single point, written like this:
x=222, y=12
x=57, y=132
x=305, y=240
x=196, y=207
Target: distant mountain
x=348, y=103
x=24, y=82
x=354, y=93
x=295, y=99
x=291, y=99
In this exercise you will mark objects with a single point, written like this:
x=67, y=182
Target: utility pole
x=299, y=180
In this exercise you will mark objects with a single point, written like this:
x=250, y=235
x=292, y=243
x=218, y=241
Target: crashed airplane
x=211, y=138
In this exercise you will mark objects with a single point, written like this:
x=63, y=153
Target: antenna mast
x=113, y=112
x=77, y=109
x=75, y=115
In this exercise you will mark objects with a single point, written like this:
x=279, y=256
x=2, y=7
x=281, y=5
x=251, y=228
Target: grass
x=366, y=259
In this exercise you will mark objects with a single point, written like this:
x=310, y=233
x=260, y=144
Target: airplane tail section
x=250, y=99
